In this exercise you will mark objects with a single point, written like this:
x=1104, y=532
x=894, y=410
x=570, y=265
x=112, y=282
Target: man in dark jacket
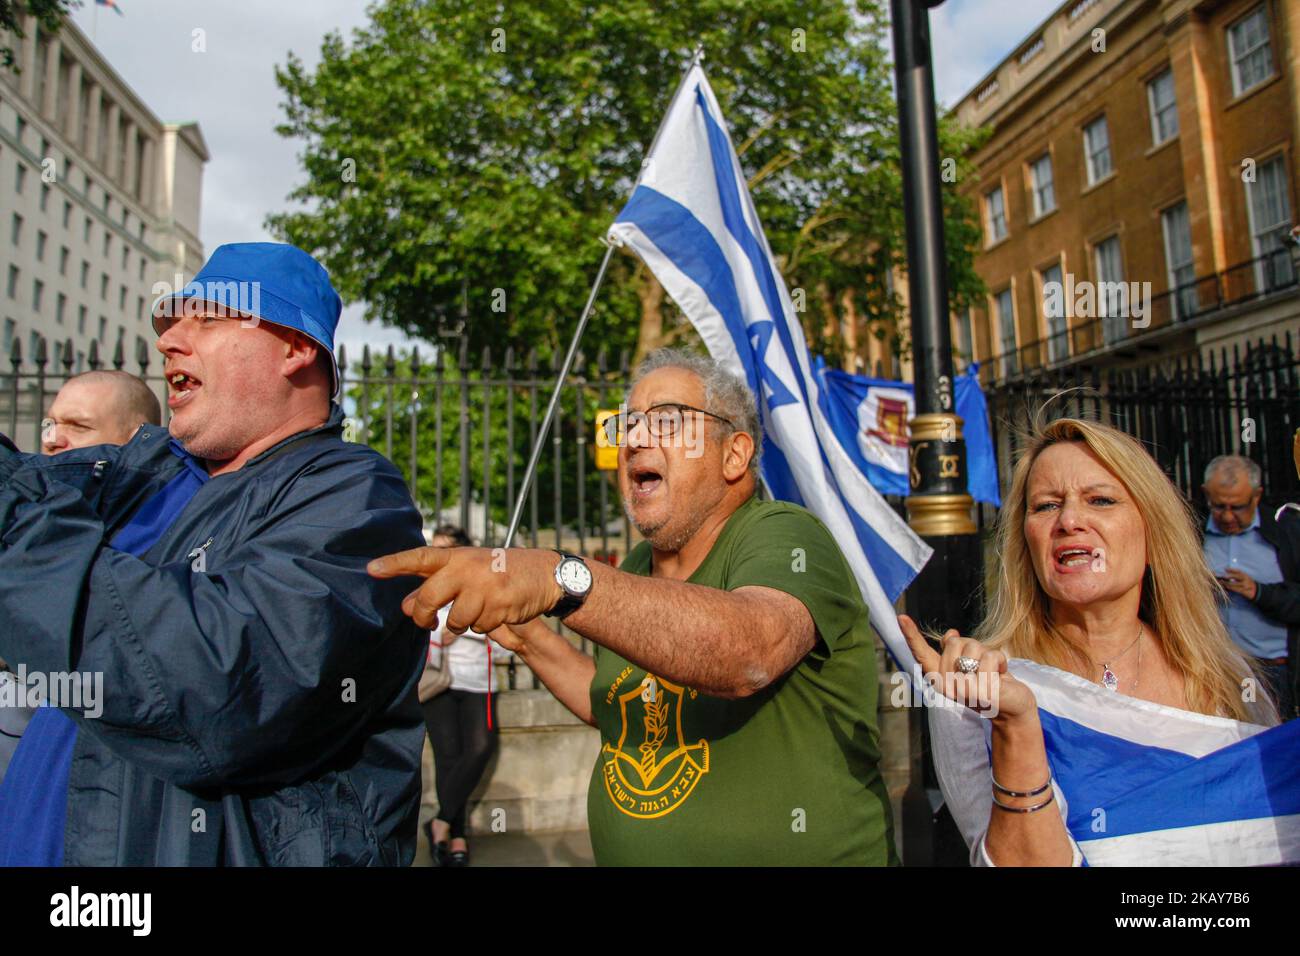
x=258, y=687
x=1257, y=560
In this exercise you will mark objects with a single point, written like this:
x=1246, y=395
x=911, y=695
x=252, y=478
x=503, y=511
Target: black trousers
x=462, y=746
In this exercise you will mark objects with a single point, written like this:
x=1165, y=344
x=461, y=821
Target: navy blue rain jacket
x=258, y=703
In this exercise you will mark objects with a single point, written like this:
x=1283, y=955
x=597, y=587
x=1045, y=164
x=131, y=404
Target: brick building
x=1134, y=142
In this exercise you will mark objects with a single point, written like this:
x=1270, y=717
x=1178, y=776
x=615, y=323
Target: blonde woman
x=1106, y=679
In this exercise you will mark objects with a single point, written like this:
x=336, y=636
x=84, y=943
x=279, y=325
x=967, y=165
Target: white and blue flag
x=870, y=416
x=692, y=221
x=1139, y=783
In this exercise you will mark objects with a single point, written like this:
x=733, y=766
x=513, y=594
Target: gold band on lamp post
x=938, y=426
x=934, y=515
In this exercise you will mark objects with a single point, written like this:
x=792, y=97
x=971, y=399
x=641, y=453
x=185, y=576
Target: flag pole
x=530, y=473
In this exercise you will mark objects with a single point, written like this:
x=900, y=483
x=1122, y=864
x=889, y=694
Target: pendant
x=1108, y=679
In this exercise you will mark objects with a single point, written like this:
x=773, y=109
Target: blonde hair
x=1179, y=592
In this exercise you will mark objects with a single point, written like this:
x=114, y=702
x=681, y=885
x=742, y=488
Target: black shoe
x=441, y=854
x=458, y=858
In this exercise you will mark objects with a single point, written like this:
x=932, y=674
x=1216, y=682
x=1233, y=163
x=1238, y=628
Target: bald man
x=93, y=408
x=98, y=408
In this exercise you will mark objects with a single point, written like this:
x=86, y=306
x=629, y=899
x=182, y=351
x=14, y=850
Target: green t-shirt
x=788, y=776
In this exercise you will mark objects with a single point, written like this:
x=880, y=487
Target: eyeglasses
x=662, y=421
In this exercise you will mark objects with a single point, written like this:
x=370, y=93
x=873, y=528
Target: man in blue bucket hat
x=227, y=684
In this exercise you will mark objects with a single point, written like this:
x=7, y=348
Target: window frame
x=991, y=238
x=1089, y=156
x=1234, y=60
x=1154, y=113
x=1037, y=189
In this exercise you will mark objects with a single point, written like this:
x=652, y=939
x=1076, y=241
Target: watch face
x=575, y=576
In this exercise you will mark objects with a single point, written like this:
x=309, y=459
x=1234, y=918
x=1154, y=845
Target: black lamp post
x=947, y=593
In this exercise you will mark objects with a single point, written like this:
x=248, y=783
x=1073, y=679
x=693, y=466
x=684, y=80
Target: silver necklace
x=1108, y=678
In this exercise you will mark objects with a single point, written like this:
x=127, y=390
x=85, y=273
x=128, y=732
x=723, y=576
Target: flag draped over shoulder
x=870, y=415
x=1154, y=785
x=692, y=221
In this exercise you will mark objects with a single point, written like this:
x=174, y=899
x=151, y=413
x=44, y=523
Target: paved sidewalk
x=523, y=849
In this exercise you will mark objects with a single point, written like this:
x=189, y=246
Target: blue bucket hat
x=271, y=281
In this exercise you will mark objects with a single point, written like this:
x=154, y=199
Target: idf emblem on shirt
x=652, y=769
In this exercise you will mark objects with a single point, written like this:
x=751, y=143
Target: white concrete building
x=99, y=200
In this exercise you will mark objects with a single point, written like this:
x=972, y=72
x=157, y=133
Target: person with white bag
x=458, y=694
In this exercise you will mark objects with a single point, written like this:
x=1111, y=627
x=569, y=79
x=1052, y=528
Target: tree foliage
x=49, y=18
x=468, y=155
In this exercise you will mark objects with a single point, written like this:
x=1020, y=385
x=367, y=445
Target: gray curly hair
x=725, y=393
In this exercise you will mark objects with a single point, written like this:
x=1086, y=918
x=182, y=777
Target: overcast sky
x=230, y=89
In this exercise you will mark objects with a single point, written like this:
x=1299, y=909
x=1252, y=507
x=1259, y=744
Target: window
x=108, y=242
x=45, y=197
x=1178, y=259
x=85, y=273
x=1112, y=294
x=103, y=286
x=60, y=308
x=103, y=328
x=1058, y=332
x=121, y=298
x=64, y=253
x=1040, y=173
x=10, y=327
x=1250, y=51
x=1096, y=150
x=142, y=268
x=81, y=320
x=965, y=345
x=1007, y=327
x=1269, y=210
x=995, y=216
x=12, y=288
x=67, y=213
x=139, y=308
x=126, y=254
x=16, y=230
x=38, y=294
x=20, y=176
x=85, y=232
x=1164, y=110
x=41, y=237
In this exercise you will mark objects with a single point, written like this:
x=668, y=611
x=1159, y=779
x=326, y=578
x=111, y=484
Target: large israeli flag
x=692, y=221
x=1140, y=783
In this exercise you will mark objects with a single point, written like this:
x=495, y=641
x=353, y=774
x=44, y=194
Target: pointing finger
x=422, y=561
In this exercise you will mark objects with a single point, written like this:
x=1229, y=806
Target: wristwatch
x=574, y=578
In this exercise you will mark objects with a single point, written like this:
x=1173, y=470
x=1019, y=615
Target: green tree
x=468, y=155
x=49, y=18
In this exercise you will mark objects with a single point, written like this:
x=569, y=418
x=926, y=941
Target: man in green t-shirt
x=734, y=680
